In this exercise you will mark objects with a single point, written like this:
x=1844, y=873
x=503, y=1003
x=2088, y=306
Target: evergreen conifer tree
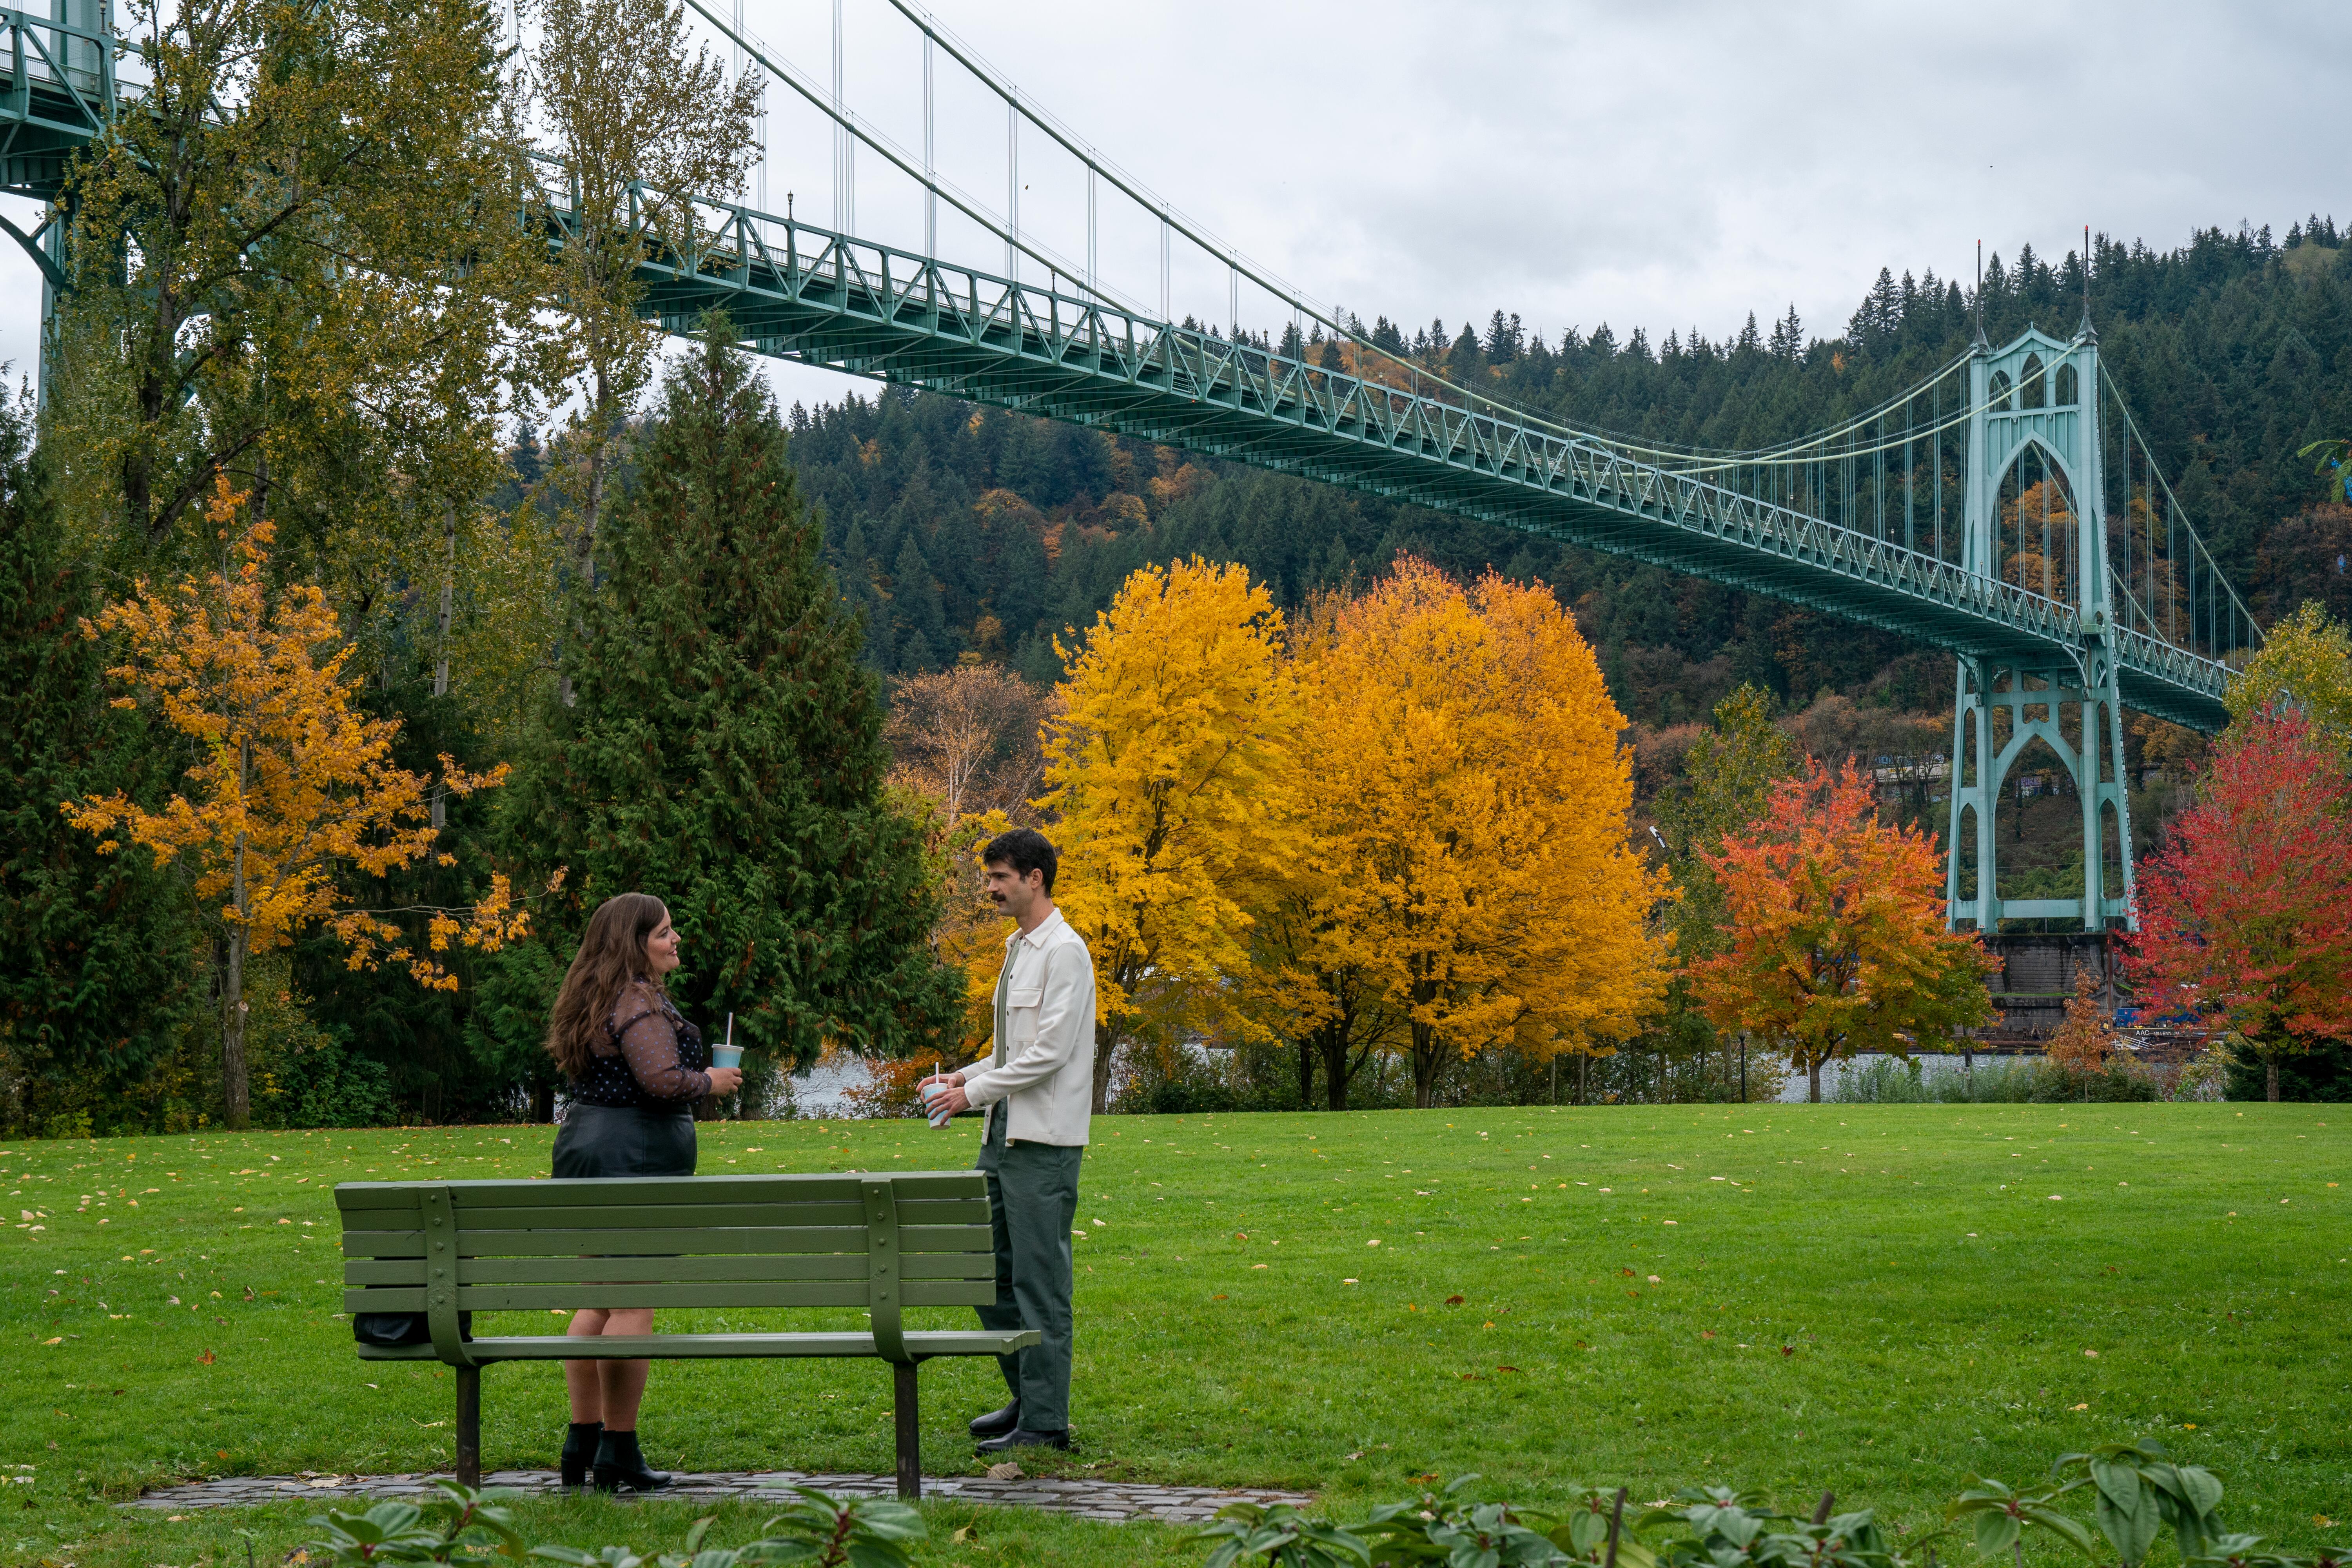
x=725, y=752
x=922, y=625
x=96, y=950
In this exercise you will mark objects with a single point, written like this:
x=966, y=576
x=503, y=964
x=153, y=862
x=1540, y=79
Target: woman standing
x=636, y=1068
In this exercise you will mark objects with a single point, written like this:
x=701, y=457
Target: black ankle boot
x=580, y=1451
x=619, y=1464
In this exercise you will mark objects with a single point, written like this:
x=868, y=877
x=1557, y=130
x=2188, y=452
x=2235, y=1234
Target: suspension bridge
x=2006, y=510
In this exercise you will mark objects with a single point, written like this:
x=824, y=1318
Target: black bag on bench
x=394, y=1329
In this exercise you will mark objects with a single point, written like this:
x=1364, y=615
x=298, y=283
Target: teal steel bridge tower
x=2005, y=509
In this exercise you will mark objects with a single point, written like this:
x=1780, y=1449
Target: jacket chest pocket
x=1023, y=1003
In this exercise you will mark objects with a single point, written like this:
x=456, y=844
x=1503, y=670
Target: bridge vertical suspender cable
x=930, y=157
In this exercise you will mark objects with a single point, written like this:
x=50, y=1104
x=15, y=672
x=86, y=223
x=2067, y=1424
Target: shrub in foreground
x=2136, y=1493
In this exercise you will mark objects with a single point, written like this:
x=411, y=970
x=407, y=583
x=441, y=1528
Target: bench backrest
x=881, y=1241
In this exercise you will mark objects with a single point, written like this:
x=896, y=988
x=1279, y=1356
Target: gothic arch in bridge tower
x=2006, y=700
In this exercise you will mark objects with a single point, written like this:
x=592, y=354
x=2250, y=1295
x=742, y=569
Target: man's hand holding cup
x=943, y=1097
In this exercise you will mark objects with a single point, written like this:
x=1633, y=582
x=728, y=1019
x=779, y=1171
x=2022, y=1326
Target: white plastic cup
x=932, y=1092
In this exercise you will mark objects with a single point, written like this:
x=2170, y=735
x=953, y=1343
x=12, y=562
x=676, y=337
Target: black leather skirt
x=623, y=1141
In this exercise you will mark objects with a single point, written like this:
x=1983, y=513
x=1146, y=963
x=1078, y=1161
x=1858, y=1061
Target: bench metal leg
x=909, y=1431
x=470, y=1426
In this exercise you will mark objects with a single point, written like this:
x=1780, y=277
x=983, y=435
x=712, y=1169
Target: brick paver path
x=1086, y=1498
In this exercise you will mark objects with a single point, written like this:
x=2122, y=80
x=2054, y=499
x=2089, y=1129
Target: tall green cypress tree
x=97, y=953
x=725, y=752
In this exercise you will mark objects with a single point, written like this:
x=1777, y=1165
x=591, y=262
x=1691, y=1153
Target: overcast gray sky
x=1668, y=164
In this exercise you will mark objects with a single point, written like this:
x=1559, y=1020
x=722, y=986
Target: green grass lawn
x=1876, y=1299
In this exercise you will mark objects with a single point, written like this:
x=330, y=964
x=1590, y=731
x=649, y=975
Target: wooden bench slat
x=362, y=1272
x=977, y=1292
x=629, y=1217
x=627, y=1243
x=922, y=1219
x=781, y=1187
x=614, y=1270
x=690, y=1347
x=546, y=1297
x=917, y=1240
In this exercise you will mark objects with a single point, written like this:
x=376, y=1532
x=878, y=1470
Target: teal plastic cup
x=727, y=1055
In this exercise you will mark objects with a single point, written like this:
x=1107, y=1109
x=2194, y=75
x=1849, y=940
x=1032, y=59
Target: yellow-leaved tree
x=1461, y=799
x=290, y=784
x=1170, y=776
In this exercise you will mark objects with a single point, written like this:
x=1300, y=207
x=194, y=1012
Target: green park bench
x=881, y=1242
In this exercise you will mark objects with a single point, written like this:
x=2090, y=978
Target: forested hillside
x=960, y=530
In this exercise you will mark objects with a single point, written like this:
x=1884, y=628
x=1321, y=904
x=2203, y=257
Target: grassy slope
x=1873, y=1299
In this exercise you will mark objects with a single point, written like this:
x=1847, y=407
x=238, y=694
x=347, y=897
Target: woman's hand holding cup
x=726, y=1080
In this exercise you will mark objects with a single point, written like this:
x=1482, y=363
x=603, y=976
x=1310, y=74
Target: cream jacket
x=1041, y=1073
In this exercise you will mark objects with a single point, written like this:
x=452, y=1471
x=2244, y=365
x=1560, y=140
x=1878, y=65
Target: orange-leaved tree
x=2087, y=1041
x=1463, y=803
x=290, y=783
x=2246, y=920
x=1170, y=778
x=1838, y=941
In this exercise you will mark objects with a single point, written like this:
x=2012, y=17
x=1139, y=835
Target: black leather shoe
x=580, y=1451
x=1022, y=1437
x=997, y=1423
x=619, y=1464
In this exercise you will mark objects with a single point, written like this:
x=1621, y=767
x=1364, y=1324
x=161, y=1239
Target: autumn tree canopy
x=1463, y=874
x=293, y=783
x=1837, y=937
x=1168, y=775
x=2246, y=919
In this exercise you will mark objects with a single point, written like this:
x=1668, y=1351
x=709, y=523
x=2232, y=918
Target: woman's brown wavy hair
x=612, y=953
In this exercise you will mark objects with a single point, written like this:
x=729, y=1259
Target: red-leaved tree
x=2246, y=920
x=1838, y=942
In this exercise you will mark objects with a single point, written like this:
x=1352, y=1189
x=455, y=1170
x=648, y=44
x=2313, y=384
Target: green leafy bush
x=2136, y=1493
x=468, y=1525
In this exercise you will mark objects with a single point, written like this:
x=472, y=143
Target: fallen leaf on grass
x=1007, y=1472
x=1454, y=1300
x=205, y=1359
x=2081, y=1407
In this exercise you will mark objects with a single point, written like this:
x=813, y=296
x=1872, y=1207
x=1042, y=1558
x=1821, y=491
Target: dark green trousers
x=1032, y=1196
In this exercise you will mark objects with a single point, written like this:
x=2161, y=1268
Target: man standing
x=1037, y=1087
